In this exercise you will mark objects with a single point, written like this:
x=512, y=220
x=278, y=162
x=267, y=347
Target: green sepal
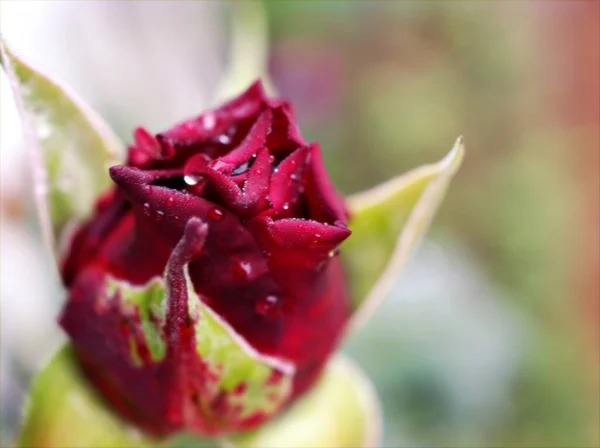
x=342, y=410
x=64, y=410
x=70, y=147
x=387, y=222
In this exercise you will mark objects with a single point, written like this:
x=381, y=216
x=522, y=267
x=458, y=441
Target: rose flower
x=226, y=224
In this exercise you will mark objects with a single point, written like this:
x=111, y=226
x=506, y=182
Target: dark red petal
x=298, y=243
x=254, y=141
x=287, y=185
x=252, y=198
x=214, y=122
x=101, y=335
x=315, y=325
x=285, y=134
x=324, y=203
x=88, y=240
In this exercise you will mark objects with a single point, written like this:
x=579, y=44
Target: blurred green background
x=490, y=336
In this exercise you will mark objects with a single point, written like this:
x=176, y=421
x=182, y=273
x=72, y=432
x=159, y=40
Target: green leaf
x=342, y=410
x=387, y=222
x=70, y=147
x=63, y=410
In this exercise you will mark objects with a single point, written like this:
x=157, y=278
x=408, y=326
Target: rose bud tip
x=129, y=178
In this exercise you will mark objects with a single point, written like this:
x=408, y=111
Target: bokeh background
x=490, y=336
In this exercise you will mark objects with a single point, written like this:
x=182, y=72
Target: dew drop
x=191, y=179
x=332, y=253
x=44, y=130
x=189, y=126
x=272, y=158
x=286, y=206
x=241, y=169
x=315, y=241
x=215, y=214
x=147, y=209
x=224, y=139
x=294, y=176
x=170, y=201
x=269, y=306
x=241, y=271
x=160, y=215
x=147, y=189
x=209, y=121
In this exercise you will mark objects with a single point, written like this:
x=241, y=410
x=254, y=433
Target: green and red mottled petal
x=188, y=384
x=232, y=275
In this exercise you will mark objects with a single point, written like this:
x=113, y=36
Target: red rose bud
x=206, y=293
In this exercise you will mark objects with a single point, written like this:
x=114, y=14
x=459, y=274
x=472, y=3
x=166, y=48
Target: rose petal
x=324, y=203
x=287, y=186
x=252, y=198
x=254, y=141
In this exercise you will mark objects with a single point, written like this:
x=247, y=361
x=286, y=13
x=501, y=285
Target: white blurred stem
x=249, y=49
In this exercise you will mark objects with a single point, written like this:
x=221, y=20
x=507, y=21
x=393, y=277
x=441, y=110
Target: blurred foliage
x=386, y=86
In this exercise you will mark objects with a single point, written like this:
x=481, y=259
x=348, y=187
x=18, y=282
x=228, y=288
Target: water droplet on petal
x=192, y=179
x=332, y=253
x=315, y=241
x=147, y=189
x=272, y=158
x=241, y=271
x=224, y=139
x=286, y=206
x=209, y=121
x=294, y=176
x=160, y=215
x=241, y=169
x=215, y=214
x=269, y=306
x=147, y=209
x=170, y=201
